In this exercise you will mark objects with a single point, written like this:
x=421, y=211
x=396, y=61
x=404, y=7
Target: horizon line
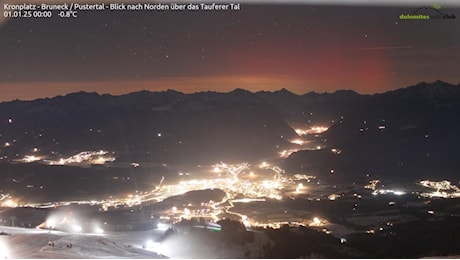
x=222, y=92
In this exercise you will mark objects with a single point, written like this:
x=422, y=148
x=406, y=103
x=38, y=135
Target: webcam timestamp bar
x=66, y=10
x=39, y=14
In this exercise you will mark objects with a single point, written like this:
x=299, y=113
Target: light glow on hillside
x=311, y=130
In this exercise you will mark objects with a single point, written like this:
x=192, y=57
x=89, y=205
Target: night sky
x=302, y=48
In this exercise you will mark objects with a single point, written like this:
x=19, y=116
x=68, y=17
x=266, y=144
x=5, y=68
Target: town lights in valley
x=10, y=204
x=7, y=201
x=442, y=189
x=297, y=141
x=85, y=158
x=311, y=130
x=286, y=153
x=239, y=182
x=299, y=188
x=29, y=159
x=317, y=222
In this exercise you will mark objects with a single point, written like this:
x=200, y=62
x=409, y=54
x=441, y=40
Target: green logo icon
x=437, y=6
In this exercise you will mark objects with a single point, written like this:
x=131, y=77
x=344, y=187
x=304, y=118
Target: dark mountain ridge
x=411, y=131
x=161, y=126
x=406, y=133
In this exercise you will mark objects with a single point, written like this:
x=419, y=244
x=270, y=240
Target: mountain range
x=410, y=132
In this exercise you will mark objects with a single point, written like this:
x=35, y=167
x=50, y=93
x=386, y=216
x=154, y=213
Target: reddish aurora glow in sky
x=302, y=48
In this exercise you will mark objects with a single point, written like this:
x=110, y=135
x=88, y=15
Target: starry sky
x=300, y=47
